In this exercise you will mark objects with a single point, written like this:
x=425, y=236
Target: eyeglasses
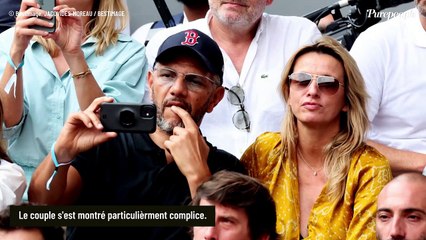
x=241, y=118
x=326, y=84
x=194, y=82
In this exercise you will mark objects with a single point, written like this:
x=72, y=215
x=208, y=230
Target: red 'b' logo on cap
x=191, y=38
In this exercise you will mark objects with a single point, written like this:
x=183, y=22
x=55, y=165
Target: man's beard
x=421, y=7
x=238, y=20
x=167, y=126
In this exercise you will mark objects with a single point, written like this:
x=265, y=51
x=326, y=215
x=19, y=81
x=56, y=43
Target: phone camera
x=147, y=111
x=127, y=118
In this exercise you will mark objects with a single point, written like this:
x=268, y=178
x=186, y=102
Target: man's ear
x=218, y=94
x=269, y=2
x=150, y=78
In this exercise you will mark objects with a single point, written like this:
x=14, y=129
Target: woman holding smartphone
x=47, y=75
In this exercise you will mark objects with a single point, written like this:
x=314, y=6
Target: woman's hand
x=23, y=31
x=69, y=33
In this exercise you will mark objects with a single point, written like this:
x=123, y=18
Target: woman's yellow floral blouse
x=350, y=218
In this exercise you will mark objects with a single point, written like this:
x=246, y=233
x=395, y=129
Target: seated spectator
x=244, y=208
x=401, y=208
x=161, y=168
x=12, y=177
x=192, y=10
x=255, y=46
x=8, y=232
x=391, y=57
x=85, y=58
x=322, y=176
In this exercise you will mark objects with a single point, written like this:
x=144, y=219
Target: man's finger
x=167, y=145
x=95, y=105
x=77, y=118
x=185, y=116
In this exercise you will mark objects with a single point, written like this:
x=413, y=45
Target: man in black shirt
x=161, y=168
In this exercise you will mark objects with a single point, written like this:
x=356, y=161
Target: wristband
x=57, y=165
x=424, y=171
x=12, y=80
x=10, y=61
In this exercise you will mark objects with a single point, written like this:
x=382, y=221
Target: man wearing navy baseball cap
x=198, y=42
x=161, y=168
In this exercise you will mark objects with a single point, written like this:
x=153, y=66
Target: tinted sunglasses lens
x=328, y=85
x=301, y=84
x=241, y=120
x=300, y=79
x=236, y=95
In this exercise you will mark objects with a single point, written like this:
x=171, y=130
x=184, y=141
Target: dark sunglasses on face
x=326, y=84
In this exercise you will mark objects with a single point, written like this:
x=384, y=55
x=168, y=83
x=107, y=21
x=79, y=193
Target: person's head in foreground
x=244, y=208
x=401, y=208
x=8, y=232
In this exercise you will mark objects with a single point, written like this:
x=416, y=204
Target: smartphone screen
x=48, y=6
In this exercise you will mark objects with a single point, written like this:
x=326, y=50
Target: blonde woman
x=46, y=76
x=323, y=177
x=12, y=178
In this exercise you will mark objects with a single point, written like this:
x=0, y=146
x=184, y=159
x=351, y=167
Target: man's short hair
x=232, y=189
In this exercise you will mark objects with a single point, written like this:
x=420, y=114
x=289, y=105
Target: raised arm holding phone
x=161, y=168
x=48, y=73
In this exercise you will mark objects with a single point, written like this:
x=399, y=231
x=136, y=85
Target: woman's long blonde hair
x=353, y=123
x=103, y=28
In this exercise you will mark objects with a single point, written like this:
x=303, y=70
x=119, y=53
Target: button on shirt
x=50, y=98
x=276, y=39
